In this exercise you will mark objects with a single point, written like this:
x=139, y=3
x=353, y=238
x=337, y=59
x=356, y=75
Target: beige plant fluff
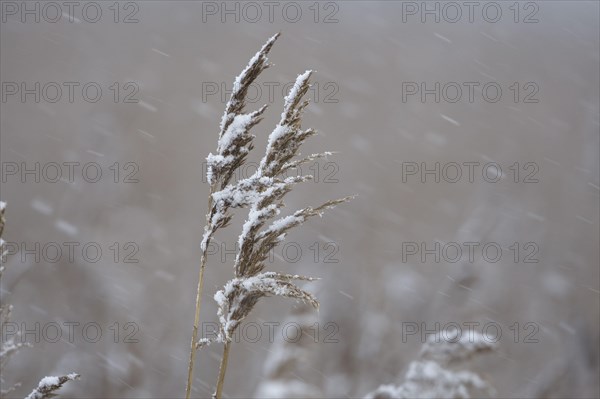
x=262, y=194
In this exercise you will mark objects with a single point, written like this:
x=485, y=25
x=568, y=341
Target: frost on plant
x=235, y=141
x=240, y=295
x=234, y=144
x=435, y=375
x=262, y=193
x=48, y=385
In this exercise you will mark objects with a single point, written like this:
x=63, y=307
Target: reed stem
x=190, y=378
x=222, y=371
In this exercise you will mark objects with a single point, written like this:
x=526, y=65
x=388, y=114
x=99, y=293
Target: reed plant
x=262, y=194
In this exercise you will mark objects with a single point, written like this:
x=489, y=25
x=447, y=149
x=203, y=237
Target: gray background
x=370, y=292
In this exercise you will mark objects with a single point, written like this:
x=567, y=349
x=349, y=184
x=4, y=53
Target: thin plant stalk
x=188, y=389
x=222, y=370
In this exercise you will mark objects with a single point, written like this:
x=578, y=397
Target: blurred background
x=164, y=69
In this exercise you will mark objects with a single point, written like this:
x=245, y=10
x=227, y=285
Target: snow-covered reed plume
x=235, y=142
x=288, y=367
x=262, y=193
x=10, y=346
x=434, y=375
x=49, y=385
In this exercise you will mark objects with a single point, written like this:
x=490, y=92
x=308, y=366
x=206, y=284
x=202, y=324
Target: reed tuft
x=262, y=194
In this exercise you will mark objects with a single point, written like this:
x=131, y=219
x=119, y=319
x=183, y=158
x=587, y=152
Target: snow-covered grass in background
x=434, y=374
x=49, y=385
x=10, y=346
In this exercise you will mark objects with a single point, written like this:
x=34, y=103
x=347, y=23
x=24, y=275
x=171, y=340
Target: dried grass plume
x=262, y=194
